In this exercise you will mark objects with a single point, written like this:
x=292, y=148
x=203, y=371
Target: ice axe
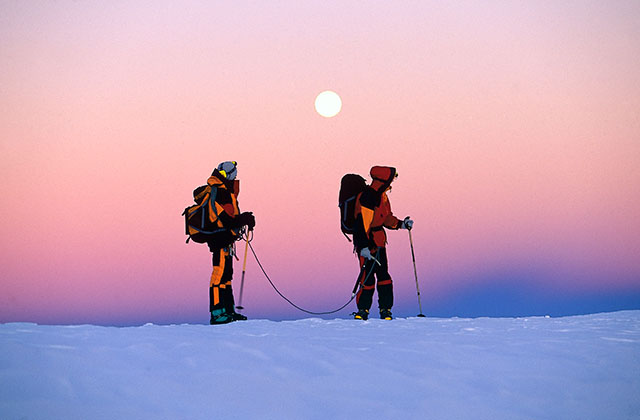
x=244, y=270
x=355, y=287
x=415, y=273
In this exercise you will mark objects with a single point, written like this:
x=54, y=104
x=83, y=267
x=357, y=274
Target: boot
x=220, y=316
x=238, y=317
x=231, y=310
x=362, y=314
x=385, y=314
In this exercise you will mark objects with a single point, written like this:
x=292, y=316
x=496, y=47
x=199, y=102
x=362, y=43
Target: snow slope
x=584, y=367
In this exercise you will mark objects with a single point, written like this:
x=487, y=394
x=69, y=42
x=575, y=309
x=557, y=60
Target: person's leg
x=384, y=285
x=217, y=287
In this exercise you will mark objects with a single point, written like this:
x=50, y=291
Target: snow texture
x=582, y=367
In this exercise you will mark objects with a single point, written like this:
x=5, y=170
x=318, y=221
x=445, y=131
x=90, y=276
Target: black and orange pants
x=369, y=272
x=220, y=292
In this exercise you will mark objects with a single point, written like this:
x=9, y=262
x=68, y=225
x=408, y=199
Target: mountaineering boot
x=385, y=314
x=362, y=314
x=220, y=316
x=238, y=317
x=231, y=311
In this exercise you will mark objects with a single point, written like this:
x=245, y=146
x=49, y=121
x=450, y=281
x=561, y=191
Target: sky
x=514, y=128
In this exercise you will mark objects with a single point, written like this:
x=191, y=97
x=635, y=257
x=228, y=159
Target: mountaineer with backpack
x=216, y=220
x=365, y=213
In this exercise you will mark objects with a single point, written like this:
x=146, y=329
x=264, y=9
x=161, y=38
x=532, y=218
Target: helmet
x=228, y=169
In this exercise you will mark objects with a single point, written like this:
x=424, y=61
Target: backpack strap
x=211, y=202
x=212, y=197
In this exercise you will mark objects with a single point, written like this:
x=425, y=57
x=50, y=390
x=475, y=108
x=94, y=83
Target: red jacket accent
x=373, y=210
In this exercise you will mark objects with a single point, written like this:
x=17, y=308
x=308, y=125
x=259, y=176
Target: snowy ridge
x=582, y=367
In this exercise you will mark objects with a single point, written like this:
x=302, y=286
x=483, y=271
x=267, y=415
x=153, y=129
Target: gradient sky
x=515, y=128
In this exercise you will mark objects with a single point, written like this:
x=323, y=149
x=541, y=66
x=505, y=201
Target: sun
x=328, y=104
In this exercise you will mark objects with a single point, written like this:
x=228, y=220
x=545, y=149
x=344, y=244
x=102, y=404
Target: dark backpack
x=201, y=219
x=351, y=186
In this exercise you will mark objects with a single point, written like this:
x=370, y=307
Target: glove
x=247, y=219
x=251, y=220
x=407, y=223
x=366, y=253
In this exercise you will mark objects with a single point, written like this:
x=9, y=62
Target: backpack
x=201, y=219
x=351, y=186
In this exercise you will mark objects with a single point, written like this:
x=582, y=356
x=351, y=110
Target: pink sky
x=514, y=127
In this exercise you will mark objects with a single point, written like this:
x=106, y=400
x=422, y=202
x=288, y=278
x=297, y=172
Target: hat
x=384, y=174
x=228, y=169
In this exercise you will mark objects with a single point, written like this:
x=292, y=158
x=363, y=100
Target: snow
x=582, y=367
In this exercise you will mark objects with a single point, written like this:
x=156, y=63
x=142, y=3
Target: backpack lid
x=200, y=192
x=351, y=185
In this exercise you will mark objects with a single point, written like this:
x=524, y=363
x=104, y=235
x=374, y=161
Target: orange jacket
x=226, y=201
x=226, y=208
x=373, y=210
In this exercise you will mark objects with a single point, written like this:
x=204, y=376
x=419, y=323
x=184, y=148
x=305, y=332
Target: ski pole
x=244, y=270
x=415, y=273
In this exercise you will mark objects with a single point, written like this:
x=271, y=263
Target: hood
x=382, y=176
x=217, y=180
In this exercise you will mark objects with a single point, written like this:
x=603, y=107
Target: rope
x=285, y=298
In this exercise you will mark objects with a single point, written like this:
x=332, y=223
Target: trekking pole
x=415, y=272
x=244, y=270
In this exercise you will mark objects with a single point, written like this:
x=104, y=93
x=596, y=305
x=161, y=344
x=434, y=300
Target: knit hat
x=228, y=169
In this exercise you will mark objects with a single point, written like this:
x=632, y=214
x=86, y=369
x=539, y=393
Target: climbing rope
x=353, y=295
